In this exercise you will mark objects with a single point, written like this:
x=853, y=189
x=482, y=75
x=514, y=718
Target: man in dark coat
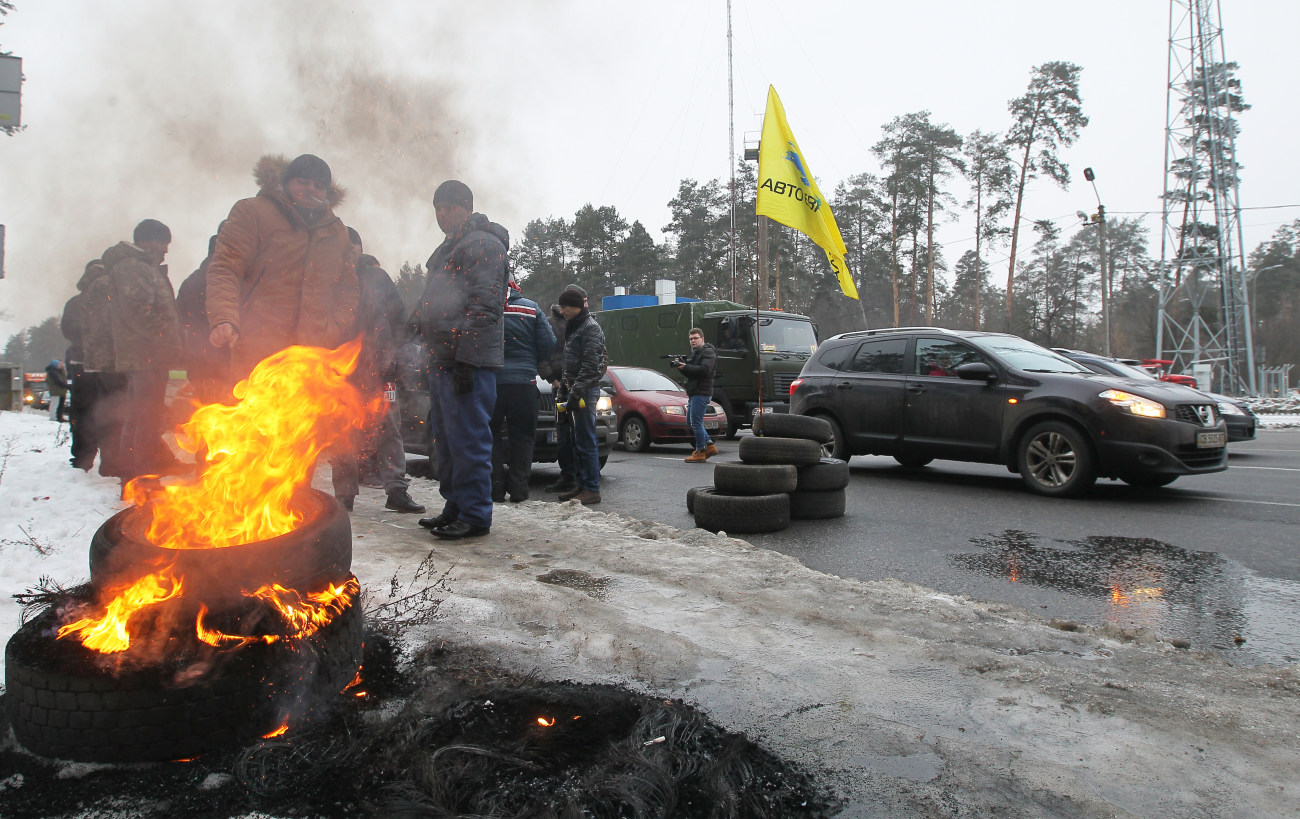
x=96, y=418
x=56, y=382
x=563, y=432
x=584, y=364
x=529, y=342
x=699, y=370
x=459, y=317
x=206, y=367
x=381, y=320
x=146, y=343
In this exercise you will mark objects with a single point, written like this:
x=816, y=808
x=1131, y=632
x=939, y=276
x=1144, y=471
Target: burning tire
x=63, y=705
x=315, y=554
x=741, y=514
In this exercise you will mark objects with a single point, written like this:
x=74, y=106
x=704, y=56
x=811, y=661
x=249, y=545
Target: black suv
x=921, y=393
x=1236, y=413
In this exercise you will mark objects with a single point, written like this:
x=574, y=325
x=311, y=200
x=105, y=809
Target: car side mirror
x=976, y=371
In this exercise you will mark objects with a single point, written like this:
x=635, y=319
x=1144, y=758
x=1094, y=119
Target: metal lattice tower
x=1204, y=313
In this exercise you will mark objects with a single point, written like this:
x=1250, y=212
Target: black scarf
x=574, y=323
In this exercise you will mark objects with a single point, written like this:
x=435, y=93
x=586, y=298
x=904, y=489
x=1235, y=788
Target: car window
x=940, y=357
x=883, y=356
x=836, y=357
x=1028, y=356
x=638, y=380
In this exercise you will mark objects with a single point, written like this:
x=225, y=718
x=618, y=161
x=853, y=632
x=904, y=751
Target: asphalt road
x=1214, y=560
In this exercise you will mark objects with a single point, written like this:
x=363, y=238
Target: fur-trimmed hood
x=269, y=170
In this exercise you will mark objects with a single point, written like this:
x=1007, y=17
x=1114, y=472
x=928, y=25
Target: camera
x=674, y=360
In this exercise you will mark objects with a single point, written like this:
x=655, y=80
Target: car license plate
x=1211, y=440
x=764, y=409
x=710, y=424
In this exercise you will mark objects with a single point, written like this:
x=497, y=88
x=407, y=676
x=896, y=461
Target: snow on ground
x=908, y=701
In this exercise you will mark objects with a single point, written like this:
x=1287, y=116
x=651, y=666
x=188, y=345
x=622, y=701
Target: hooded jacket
x=132, y=310
x=279, y=280
x=459, y=316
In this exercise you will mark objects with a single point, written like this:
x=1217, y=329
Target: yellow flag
x=788, y=193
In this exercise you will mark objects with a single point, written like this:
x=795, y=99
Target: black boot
x=399, y=500
x=566, y=483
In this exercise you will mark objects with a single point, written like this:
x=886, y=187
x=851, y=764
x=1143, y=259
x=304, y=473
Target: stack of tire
x=782, y=475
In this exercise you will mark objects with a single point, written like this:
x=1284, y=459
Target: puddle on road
x=1213, y=602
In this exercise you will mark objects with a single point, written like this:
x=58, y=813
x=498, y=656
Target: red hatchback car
x=651, y=408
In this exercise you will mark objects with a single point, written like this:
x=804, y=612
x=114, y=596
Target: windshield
x=637, y=380
x=782, y=335
x=1129, y=371
x=1028, y=356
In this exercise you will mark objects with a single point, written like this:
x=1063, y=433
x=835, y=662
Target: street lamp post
x=1105, y=268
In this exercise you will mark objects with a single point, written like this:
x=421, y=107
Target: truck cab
x=760, y=353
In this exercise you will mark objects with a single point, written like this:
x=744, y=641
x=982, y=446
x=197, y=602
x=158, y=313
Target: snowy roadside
x=912, y=701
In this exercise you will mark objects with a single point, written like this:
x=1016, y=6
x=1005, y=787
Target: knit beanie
x=308, y=166
x=454, y=192
x=573, y=296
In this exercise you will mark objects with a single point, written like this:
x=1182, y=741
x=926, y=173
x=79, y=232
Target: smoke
x=163, y=110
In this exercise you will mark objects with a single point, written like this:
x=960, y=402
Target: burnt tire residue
x=66, y=701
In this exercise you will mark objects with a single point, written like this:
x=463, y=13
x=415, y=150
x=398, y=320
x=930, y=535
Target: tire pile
x=782, y=475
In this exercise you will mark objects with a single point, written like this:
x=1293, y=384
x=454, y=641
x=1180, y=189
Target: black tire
x=796, y=451
x=829, y=473
x=1055, y=460
x=733, y=429
x=604, y=459
x=317, y=553
x=61, y=705
x=837, y=447
x=785, y=425
x=690, y=497
x=754, y=479
x=912, y=461
x=635, y=435
x=817, y=505
x=741, y=514
x=1149, y=481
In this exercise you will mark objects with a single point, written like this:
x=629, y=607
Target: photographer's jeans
x=695, y=417
x=586, y=457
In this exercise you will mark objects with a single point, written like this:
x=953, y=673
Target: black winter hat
x=308, y=166
x=454, y=192
x=573, y=296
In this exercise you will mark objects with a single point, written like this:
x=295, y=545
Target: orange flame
x=277, y=732
x=355, y=682
x=545, y=723
x=109, y=634
x=303, y=617
x=295, y=405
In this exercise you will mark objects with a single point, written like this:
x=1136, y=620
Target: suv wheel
x=836, y=447
x=1055, y=460
x=636, y=436
x=912, y=461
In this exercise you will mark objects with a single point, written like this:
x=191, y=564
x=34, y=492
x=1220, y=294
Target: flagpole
x=731, y=151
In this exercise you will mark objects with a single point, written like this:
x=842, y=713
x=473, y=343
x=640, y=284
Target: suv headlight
x=1229, y=409
x=604, y=404
x=674, y=409
x=1135, y=404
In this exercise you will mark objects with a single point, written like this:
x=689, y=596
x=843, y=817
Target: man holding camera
x=699, y=370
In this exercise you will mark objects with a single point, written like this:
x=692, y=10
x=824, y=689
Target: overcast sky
x=146, y=108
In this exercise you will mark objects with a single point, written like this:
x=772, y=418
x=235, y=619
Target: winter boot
x=399, y=500
x=566, y=483
x=710, y=450
x=697, y=457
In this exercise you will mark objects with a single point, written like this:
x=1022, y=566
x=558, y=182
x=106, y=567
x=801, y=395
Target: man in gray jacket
x=459, y=317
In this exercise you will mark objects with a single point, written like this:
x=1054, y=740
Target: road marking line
x=1239, y=500
x=1277, y=468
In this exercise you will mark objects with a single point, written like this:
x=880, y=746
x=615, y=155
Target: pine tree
x=1047, y=118
x=989, y=171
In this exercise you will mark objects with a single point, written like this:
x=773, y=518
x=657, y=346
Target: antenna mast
x=1201, y=243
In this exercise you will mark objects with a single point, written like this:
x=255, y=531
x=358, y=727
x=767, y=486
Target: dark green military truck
x=645, y=336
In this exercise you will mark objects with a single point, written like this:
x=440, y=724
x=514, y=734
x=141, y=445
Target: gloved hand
x=574, y=402
x=462, y=379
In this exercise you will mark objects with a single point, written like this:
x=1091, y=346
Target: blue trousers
x=586, y=458
x=462, y=443
x=695, y=406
